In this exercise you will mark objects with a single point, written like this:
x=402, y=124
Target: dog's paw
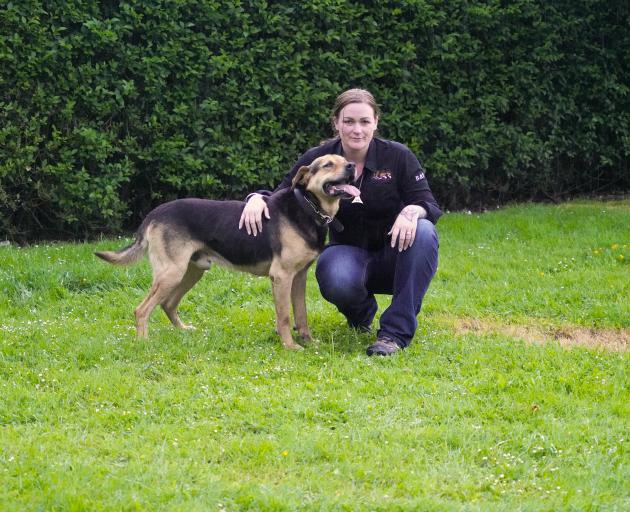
x=311, y=342
x=293, y=346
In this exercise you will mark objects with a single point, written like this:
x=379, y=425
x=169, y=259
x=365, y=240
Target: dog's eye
x=328, y=164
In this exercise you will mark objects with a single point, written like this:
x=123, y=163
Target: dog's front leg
x=298, y=298
x=281, y=282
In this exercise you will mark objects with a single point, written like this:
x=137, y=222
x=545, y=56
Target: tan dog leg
x=281, y=282
x=298, y=298
x=143, y=311
x=163, y=287
x=190, y=279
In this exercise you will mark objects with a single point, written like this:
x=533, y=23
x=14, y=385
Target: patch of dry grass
x=566, y=336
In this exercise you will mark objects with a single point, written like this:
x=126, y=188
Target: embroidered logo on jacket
x=419, y=176
x=382, y=175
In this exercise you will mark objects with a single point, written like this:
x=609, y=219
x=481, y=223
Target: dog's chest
x=296, y=251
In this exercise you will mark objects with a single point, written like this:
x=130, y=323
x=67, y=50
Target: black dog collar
x=311, y=208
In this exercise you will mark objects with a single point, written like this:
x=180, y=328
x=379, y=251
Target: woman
x=389, y=244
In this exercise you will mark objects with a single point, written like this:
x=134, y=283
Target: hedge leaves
x=108, y=108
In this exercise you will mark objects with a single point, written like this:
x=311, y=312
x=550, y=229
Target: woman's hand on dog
x=252, y=214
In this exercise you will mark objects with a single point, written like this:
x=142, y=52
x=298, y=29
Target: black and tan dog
x=184, y=237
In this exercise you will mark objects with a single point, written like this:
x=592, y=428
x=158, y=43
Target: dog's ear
x=298, y=179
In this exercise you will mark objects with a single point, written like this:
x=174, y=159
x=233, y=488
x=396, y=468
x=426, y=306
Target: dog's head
x=328, y=178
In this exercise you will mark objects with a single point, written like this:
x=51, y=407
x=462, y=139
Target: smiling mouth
x=341, y=188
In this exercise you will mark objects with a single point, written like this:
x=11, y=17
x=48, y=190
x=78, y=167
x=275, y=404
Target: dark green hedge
x=108, y=108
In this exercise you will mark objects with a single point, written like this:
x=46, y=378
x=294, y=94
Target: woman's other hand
x=403, y=231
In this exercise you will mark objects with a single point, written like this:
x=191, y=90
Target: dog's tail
x=127, y=255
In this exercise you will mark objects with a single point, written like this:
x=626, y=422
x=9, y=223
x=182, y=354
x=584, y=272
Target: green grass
x=223, y=418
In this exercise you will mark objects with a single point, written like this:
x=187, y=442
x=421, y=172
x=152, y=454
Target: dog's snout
x=350, y=166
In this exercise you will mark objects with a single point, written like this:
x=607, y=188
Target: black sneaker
x=384, y=346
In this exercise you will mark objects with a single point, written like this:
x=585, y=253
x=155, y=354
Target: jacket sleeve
x=414, y=187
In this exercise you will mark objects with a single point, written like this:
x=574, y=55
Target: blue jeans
x=349, y=277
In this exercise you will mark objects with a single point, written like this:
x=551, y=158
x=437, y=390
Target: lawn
x=513, y=395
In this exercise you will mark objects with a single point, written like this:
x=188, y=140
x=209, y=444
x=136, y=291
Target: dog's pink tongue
x=348, y=189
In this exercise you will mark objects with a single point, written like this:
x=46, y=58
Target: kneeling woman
x=389, y=244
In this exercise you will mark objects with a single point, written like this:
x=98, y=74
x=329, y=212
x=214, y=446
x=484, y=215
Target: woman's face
x=356, y=125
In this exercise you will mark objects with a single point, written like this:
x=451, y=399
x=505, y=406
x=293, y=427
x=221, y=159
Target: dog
x=184, y=237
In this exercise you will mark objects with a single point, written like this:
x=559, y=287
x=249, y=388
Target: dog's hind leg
x=298, y=298
x=164, y=283
x=191, y=277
